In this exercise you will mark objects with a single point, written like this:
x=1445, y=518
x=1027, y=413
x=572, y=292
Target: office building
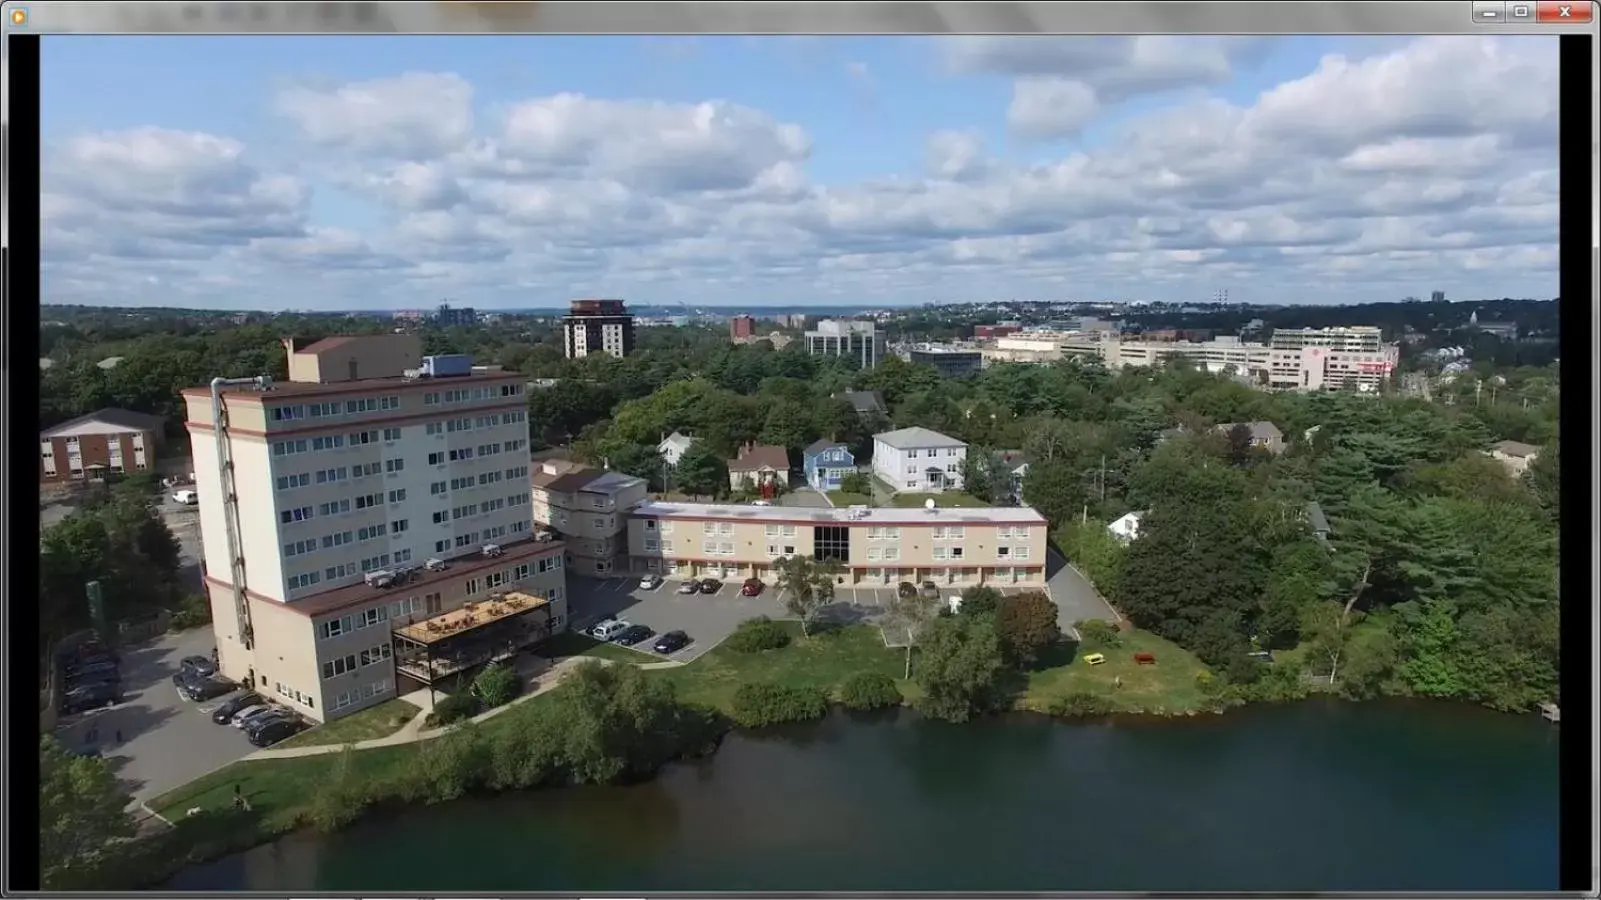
x=919, y=460
x=991, y=332
x=365, y=522
x=949, y=361
x=598, y=326
x=1000, y=546
x=585, y=508
x=741, y=328
x=107, y=442
x=450, y=317
x=855, y=339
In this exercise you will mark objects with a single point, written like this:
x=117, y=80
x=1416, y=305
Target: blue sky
x=869, y=108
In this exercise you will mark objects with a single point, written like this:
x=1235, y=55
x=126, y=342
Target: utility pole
x=1103, y=478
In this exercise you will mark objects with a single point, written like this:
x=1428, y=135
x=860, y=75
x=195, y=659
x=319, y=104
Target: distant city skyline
x=354, y=174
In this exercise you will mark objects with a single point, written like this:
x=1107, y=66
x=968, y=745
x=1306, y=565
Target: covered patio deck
x=453, y=642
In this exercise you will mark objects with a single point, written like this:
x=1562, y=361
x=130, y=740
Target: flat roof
x=791, y=515
x=289, y=389
x=471, y=616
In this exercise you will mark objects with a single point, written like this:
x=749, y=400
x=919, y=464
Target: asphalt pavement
x=707, y=618
x=1076, y=599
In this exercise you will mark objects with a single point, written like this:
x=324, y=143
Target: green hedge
x=869, y=690
x=756, y=635
x=759, y=704
x=453, y=708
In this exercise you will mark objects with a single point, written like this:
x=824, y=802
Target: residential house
x=106, y=441
x=866, y=403
x=672, y=447
x=1012, y=465
x=826, y=463
x=919, y=460
x=585, y=507
x=1263, y=434
x=760, y=466
x=1515, y=455
x=1317, y=521
x=1126, y=527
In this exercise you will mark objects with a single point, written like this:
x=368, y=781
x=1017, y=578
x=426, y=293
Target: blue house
x=826, y=464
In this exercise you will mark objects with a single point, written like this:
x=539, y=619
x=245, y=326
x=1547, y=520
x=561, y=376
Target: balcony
x=453, y=642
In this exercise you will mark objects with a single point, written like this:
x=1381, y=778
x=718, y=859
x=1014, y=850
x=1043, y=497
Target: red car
x=751, y=588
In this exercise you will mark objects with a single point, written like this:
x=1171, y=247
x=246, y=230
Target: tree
x=808, y=586
x=857, y=483
x=961, y=663
x=82, y=809
x=497, y=685
x=700, y=471
x=912, y=613
x=980, y=475
x=981, y=601
x=1027, y=625
x=1325, y=627
x=1055, y=488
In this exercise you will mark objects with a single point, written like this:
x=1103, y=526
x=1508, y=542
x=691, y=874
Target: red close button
x=1560, y=12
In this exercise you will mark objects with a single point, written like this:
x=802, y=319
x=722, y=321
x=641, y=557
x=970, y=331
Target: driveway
x=166, y=740
x=184, y=522
x=1076, y=599
x=707, y=618
x=806, y=498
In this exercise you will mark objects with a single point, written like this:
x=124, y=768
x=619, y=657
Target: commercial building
x=990, y=332
x=450, y=317
x=107, y=441
x=373, y=509
x=741, y=328
x=919, y=460
x=598, y=326
x=949, y=361
x=584, y=506
x=855, y=339
x=959, y=547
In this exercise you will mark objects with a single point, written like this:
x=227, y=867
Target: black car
x=275, y=731
x=91, y=696
x=632, y=635
x=231, y=708
x=207, y=688
x=671, y=642
x=198, y=666
x=710, y=585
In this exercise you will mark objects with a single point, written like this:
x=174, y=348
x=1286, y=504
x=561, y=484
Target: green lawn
x=843, y=499
x=822, y=661
x=376, y=722
x=1166, y=687
x=572, y=643
x=948, y=498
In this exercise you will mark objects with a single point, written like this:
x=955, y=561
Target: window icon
x=1519, y=11
x=19, y=17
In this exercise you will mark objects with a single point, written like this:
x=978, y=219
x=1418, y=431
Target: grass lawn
x=378, y=721
x=843, y=499
x=947, y=499
x=824, y=660
x=1168, y=686
x=572, y=643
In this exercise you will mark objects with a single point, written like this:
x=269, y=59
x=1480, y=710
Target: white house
x=673, y=446
x=919, y=460
x=1126, y=527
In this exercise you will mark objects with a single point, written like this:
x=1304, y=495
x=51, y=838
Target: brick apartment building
x=106, y=441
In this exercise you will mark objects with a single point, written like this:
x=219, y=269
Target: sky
x=520, y=172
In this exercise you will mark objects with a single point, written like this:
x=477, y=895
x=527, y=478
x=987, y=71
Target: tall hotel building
x=366, y=524
x=598, y=326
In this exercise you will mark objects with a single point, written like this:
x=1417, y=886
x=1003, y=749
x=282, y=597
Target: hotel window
x=288, y=413
x=1020, y=553
x=709, y=528
x=366, y=470
x=772, y=531
x=650, y=545
x=495, y=579
x=892, y=553
x=942, y=553
x=474, y=585
x=726, y=548
x=333, y=507
x=709, y=548
x=436, y=459
x=1003, y=552
x=875, y=554
x=667, y=546
x=394, y=466
x=391, y=435
x=956, y=553
x=328, y=442
x=726, y=529
x=298, y=514
x=387, y=403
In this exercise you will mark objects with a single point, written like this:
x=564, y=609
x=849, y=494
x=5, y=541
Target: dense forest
x=1438, y=576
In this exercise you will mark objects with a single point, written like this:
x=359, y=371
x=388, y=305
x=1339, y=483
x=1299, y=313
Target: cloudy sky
x=334, y=173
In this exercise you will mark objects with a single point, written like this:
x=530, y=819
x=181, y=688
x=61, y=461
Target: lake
x=1384, y=796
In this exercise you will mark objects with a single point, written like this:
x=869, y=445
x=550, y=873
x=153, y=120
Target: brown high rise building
x=741, y=328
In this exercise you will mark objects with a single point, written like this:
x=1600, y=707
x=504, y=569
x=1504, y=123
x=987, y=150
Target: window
x=436, y=459
x=338, y=539
x=365, y=404
x=343, y=570
x=430, y=399
x=391, y=435
x=365, y=470
x=368, y=501
x=892, y=553
x=290, y=482
x=403, y=556
x=288, y=413
x=519, y=572
x=511, y=390
x=298, y=514
x=300, y=548
x=322, y=410
x=1020, y=553
x=328, y=442
x=394, y=466
x=433, y=428
x=304, y=580
x=956, y=553
x=388, y=403
x=650, y=524
x=398, y=495
x=281, y=448
x=911, y=454
x=459, y=455
x=875, y=553
x=951, y=451
x=357, y=438
x=330, y=476
x=374, y=563
x=474, y=585
x=333, y=507
x=336, y=627
x=1003, y=552
x=437, y=487
x=495, y=579
x=372, y=532
x=441, y=546
x=339, y=666
x=441, y=516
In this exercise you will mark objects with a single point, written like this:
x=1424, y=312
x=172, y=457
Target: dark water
x=1308, y=796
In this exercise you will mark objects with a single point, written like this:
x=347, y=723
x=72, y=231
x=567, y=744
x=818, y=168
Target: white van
x=187, y=498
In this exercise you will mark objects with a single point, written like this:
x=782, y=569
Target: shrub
x=756, y=635
x=869, y=690
x=453, y=708
x=1099, y=634
x=497, y=685
x=1207, y=682
x=757, y=704
x=193, y=612
x=1082, y=703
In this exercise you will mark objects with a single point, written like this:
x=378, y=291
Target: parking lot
x=805, y=498
x=165, y=740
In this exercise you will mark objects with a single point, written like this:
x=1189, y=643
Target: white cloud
x=1428, y=166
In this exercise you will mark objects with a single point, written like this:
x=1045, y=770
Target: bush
x=756, y=704
x=453, y=708
x=869, y=690
x=1208, y=683
x=497, y=685
x=1099, y=634
x=1082, y=703
x=193, y=612
x=756, y=635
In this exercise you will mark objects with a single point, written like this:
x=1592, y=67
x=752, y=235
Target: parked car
x=199, y=666
x=91, y=696
x=710, y=585
x=650, y=582
x=225, y=713
x=186, y=498
x=608, y=629
x=94, y=672
x=633, y=634
x=751, y=587
x=929, y=590
x=205, y=688
x=761, y=503
x=689, y=587
x=671, y=642
x=250, y=718
x=275, y=731
x=906, y=589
